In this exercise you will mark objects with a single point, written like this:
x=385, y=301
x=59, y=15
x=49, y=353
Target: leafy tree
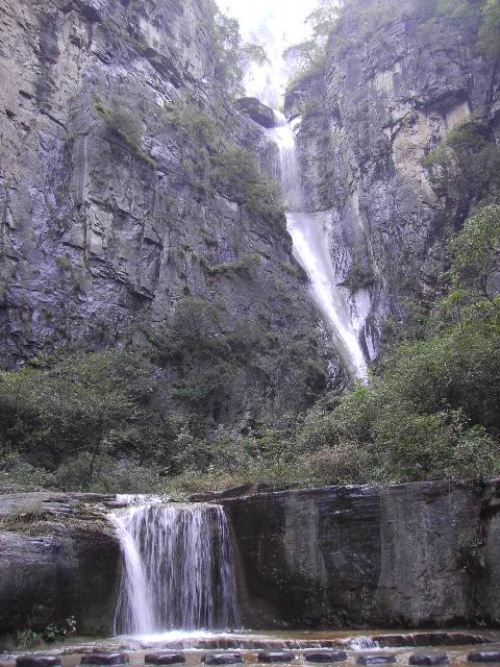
x=476, y=253
x=93, y=403
x=489, y=33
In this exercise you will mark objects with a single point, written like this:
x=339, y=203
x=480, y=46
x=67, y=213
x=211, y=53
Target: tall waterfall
x=177, y=571
x=311, y=251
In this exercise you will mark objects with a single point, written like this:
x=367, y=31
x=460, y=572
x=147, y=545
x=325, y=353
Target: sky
x=275, y=24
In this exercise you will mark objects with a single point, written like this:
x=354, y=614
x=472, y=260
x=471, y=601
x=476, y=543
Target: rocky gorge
x=198, y=292
x=408, y=556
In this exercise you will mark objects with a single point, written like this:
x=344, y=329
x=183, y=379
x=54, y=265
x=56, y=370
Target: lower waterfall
x=311, y=250
x=177, y=569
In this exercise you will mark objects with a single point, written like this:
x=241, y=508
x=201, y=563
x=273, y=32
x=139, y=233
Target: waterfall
x=177, y=570
x=311, y=251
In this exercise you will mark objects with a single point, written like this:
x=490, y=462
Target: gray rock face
x=384, y=103
x=360, y=556
x=96, y=240
x=56, y=561
x=258, y=112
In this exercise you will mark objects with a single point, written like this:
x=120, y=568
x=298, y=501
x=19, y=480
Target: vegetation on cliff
x=147, y=416
x=431, y=411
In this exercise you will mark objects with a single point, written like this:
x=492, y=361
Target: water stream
x=311, y=251
x=177, y=570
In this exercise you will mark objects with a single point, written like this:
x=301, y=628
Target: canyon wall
x=103, y=238
x=397, y=82
x=409, y=556
x=412, y=555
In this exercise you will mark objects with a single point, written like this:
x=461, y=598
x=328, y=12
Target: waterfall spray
x=310, y=249
x=177, y=570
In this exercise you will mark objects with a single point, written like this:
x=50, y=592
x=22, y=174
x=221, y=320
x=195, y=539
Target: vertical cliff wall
x=103, y=234
x=409, y=555
x=396, y=84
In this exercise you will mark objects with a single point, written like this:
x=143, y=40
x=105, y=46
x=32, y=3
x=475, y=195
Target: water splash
x=177, y=570
x=311, y=251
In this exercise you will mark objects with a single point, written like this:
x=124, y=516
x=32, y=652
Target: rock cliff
x=109, y=216
x=411, y=555
x=59, y=558
x=396, y=84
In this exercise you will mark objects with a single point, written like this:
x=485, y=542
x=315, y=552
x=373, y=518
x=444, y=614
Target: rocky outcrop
x=258, y=112
x=422, y=554
x=58, y=558
x=395, y=86
x=109, y=217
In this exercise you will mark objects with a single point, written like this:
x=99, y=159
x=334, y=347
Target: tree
x=89, y=403
x=489, y=33
x=476, y=252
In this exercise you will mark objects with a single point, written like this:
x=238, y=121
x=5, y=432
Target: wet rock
x=275, y=656
x=222, y=658
x=376, y=659
x=344, y=556
x=104, y=659
x=235, y=492
x=429, y=659
x=325, y=656
x=38, y=661
x=67, y=565
x=258, y=112
x=165, y=658
x=484, y=656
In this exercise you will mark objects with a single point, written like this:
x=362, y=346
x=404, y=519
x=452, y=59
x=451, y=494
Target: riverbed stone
x=222, y=658
x=104, y=659
x=165, y=658
x=325, y=656
x=429, y=659
x=484, y=656
x=38, y=661
x=376, y=659
x=275, y=656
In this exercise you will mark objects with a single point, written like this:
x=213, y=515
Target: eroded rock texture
x=411, y=555
x=394, y=89
x=57, y=559
x=100, y=239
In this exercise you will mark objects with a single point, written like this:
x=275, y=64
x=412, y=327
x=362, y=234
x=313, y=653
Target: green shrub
x=237, y=177
x=120, y=122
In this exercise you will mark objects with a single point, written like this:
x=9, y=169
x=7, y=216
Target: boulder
x=275, y=656
x=222, y=658
x=429, y=659
x=484, y=656
x=258, y=112
x=104, y=659
x=376, y=659
x=165, y=658
x=325, y=656
x=38, y=661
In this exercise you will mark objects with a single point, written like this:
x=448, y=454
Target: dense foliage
x=431, y=411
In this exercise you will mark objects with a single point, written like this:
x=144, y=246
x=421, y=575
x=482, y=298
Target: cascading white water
x=310, y=249
x=177, y=570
